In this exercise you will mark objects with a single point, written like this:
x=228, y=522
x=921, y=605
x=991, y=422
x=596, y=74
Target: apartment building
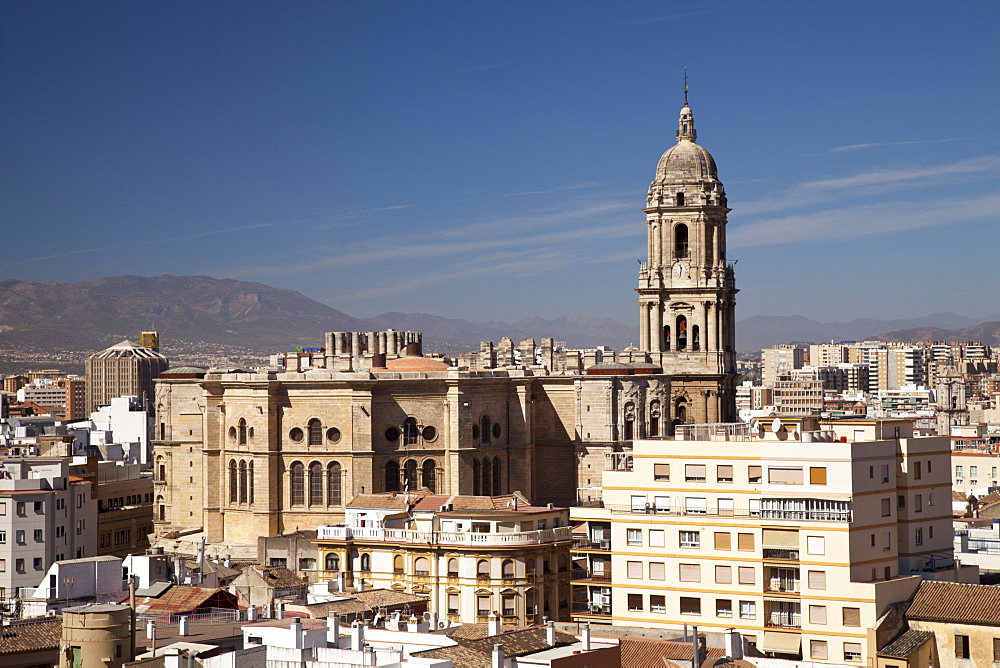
x=46, y=515
x=779, y=360
x=797, y=532
x=470, y=555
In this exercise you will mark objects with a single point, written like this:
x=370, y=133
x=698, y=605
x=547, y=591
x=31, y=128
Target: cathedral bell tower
x=687, y=287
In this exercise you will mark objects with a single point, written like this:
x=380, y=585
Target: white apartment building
x=779, y=360
x=45, y=516
x=797, y=532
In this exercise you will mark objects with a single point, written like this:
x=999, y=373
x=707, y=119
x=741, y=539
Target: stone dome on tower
x=686, y=161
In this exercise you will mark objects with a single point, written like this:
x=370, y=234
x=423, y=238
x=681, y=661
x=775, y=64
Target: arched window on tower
x=487, y=478
x=334, y=495
x=666, y=337
x=243, y=482
x=484, y=429
x=695, y=338
x=298, y=484
x=497, y=476
x=410, y=431
x=250, y=484
x=476, y=488
x=315, y=432
x=315, y=484
x=680, y=239
x=392, y=477
x=242, y=429
x=234, y=482
x=428, y=474
x=410, y=474
x=682, y=332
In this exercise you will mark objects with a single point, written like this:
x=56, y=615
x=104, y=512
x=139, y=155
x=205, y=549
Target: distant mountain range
x=199, y=310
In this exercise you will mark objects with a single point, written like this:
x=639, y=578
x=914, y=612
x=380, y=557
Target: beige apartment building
x=471, y=556
x=796, y=532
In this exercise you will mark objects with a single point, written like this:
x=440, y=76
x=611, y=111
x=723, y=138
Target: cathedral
x=240, y=454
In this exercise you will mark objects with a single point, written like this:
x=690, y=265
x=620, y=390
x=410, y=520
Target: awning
x=785, y=643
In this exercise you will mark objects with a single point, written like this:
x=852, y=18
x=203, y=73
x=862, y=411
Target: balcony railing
x=792, y=620
x=784, y=586
x=803, y=515
x=780, y=553
x=341, y=532
x=585, y=543
x=591, y=609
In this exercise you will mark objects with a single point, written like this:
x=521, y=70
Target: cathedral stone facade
x=242, y=454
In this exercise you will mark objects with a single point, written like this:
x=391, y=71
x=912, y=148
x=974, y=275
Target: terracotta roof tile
x=475, y=631
x=180, y=599
x=957, y=603
x=906, y=644
x=477, y=653
x=375, y=598
x=651, y=653
x=31, y=635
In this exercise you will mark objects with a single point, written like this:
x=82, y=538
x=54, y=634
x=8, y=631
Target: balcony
x=782, y=586
x=786, y=620
x=602, y=610
x=585, y=543
x=781, y=553
x=795, y=515
x=459, y=538
x=586, y=575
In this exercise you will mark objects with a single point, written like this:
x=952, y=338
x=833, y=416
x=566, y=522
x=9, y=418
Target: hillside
x=93, y=314
x=987, y=332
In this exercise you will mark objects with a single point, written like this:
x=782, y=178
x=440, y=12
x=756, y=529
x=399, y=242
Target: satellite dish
x=776, y=425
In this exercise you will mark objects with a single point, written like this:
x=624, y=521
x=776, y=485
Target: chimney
x=252, y=613
x=332, y=630
x=179, y=570
x=695, y=648
x=182, y=627
x=432, y=621
x=550, y=633
x=734, y=644
x=493, y=625
x=296, y=628
x=172, y=658
x=497, y=656
x=357, y=636
x=361, y=584
x=585, y=637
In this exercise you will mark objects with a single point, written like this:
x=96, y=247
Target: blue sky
x=489, y=160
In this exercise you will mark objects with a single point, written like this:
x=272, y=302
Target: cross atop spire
x=685, y=86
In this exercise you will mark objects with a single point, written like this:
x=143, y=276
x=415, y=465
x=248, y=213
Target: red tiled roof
x=651, y=653
x=31, y=635
x=957, y=603
x=183, y=599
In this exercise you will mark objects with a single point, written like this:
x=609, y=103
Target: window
x=754, y=473
x=723, y=607
x=784, y=476
x=748, y=610
x=695, y=505
x=818, y=649
x=635, y=602
x=3, y=537
x=724, y=574
x=661, y=503
x=633, y=536
x=657, y=603
x=996, y=650
x=886, y=541
x=726, y=507
x=817, y=614
x=657, y=570
x=745, y=542
x=852, y=651
x=746, y=574
x=334, y=493
x=958, y=471
x=694, y=472
x=690, y=573
x=39, y=506
x=817, y=475
x=661, y=472
x=19, y=565
x=639, y=503
x=918, y=503
x=815, y=545
x=3, y=565
x=332, y=562
x=19, y=537
x=886, y=507
x=633, y=570
x=19, y=507
x=852, y=616
x=817, y=579
x=724, y=473
x=366, y=562
x=690, y=605
x=902, y=501
x=315, y=483
x=918, y=536
x=298, y=483
x=885, y=473
x=452, y=604
x=38, y=535
x=453, y=567
x=723, y=540
x=690, y=539
x=36, y=563
x=656, y=538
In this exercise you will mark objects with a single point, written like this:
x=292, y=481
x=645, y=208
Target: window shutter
x=817, y=475
x=745, y=542
x=690, y=573
x=817, y=579
x=852, y=616
x=746, y=575
x=723, y=540
x=634, y=570
x=661, y=471
x=657, y=571
x=724, y=574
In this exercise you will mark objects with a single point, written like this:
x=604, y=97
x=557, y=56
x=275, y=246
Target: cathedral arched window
x=161, y=506
x=242, y=429
x=666, y=337
x=243, y=482
x=421, y=566
x=250, y=485
x=315, y=432
x=695, y=338
x=410, y=431
x=315, y=484
x=497, y=476
x=234, y=482
x=484, y=429
x=428, y=475
x=392, y=476
x=397, y=564
x=681, y=236
x=334, y=496
x=476, y=487
x=410, y=474
x=682, y=332
x=487, y=478
x=507, y=568
x=298, y=483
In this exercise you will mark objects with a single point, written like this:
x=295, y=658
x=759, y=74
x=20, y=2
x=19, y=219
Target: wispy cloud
x=859, y=221
x=861, y=147
x=877, y=181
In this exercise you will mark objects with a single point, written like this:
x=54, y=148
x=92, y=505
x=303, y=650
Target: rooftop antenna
x=685, y=86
